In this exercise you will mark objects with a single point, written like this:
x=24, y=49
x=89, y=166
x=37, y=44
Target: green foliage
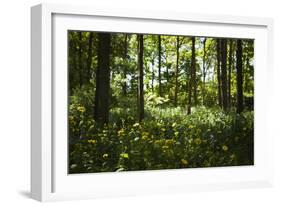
x=168, y=139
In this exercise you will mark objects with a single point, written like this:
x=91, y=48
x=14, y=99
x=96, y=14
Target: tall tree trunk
x=81, y=69
x=177, y=71
x=90, y=54
x=159, y=65
x=239, y=80
x=229, y=72
x=224, y=74
x=219, y=71
x=152, y=75
x=124, y=85
x=140, y=82
x=101, y=110
x=193, y=68
x=204, y=70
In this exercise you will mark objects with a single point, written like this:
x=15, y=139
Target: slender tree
x=224, y=74
x=152, y=75
x=159, y=65
x=124, y=85
x=90, y=55
x=219, y=71
x=204, y=70
x=140, y=78
x=193, y=69
x=177, y=71
x=239, y=77
x=81, y=69
x=229, y=71
x=101, y=109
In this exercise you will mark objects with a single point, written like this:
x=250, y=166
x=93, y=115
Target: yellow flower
x=105, y=155
x=170, y=141
x=224, y=148
x=183, y=161
x=81, y=109
x=92, y=141
x=124, y=155
x=198, y=141
x=121, y=132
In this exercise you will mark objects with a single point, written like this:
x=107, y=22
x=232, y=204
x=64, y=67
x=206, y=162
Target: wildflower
x=124, y=155
x=198, y=141
x=92, y=141
x=121, y=132
x=105, y=155
x=170, y=141
x=81, y=109
x=184, y=161
x=136, y=124
x=224, y=148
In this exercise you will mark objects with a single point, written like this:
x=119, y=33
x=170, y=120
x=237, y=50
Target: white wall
x=15, y=95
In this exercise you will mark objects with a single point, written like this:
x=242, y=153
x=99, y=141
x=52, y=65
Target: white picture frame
x=49, y=178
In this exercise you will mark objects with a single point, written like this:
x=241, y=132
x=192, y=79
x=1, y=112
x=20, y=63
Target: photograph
x=139, y=102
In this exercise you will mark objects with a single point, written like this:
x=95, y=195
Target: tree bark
x=204, y=70
x=193, y=68
x=159, y=65
x=81, y=69
x=177, y=71
x=218, y=71
x=152, y=75
x=140, y=82
x=224, y=74
x=101, y=110
x=229, y=72
x=124, y=85
x=90, y=53
x=239, y=80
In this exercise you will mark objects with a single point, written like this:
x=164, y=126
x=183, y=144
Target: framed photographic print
x=137, y=102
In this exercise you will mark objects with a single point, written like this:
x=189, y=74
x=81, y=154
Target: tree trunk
x=101, y=110
x=124, y=84
x=204, y=70
x=239, y=77
x=159, y=65
x=229, y=72
x=224, y=74
x=193, y=68
x=90, y=54
x=177, y=71
x=140, y=82
x=218, y=71
x=152, y=75
x=81, y=70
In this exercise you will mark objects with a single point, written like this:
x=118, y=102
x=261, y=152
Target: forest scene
x=151, y=102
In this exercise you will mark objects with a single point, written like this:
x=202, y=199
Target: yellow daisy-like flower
x=81, y=109
x=92, y=141
x=198, y=141
x=224, y=148
x=121, y=132
x=124, y=155
x=184, y=161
